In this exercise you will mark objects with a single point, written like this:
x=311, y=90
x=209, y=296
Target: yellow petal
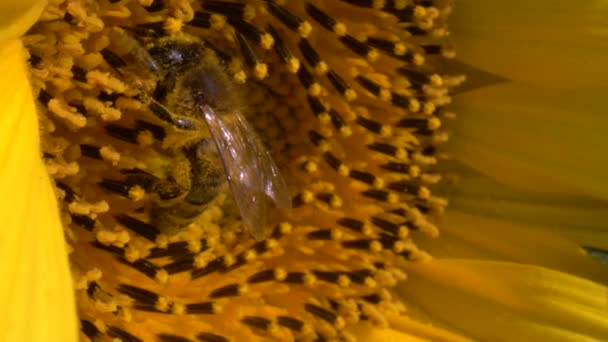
x=372, y=334
x=579, y=218
x=36, y=294
x=533, y=138
x=16, y=17
x=404, y=329
x=476, y=237
x=498, y=301
x=555, y=43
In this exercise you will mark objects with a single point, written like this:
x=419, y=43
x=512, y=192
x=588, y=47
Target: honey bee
x=213, y=143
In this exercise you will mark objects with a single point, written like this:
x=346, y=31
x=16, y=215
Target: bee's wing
x=250, y=170
x=274, y=184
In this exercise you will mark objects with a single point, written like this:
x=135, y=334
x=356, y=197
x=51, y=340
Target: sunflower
x=355, y=100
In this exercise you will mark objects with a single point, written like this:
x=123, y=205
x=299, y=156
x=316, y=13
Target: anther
x=203, y=308
x=172, y=338
x=284, y=15
x=121, y=334
x=140, y=295
x=210, y=337
x=256, y=322
x=89, y=329
x=144, y=229
x=322, y=18
x=321, y=313
x=290, y=323
x=201, y=19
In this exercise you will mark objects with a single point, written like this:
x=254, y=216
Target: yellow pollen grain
x=346, y=131
x=335, y=202
x=428, y=108
x=343, y=281
x=178, y=309
x=309, y=280
x=343, y=170
x=385, y=95
x=324, y=118
x=112, y=238
x=419, y=12
x=286, y=227
x=434, y=123
x=350, y=95
x=107, y=113
x=64, y=111
x=379, y=183
x=375, y=246
x=260, y=71
x=132, y=254
x=418, y=59
x=321, y=68
x=386, y=131
x=84, y=208
x=61, y=170
x=315, y=89
x=173, y=26
x=372, y=55
x=280, y=274
x=267, y=41
x=311, y=167
x=393, y=198
x=109, y=153
x=229, y=260
x=163, y=304
x=339, y=29
x=106, y=81
x=304, y=29
x=145, y=138
x=399, y=49
x=162, y=276
x=436, y=80
x=217, y=21
x=240, y=76
x=293, y=65
x=136, y=193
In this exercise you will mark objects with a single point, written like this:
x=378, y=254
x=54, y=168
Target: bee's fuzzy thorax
x=349, y=98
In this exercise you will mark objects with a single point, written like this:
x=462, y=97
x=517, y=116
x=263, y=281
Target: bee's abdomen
x=206, y=175
x=206, y=179
x=170, y=220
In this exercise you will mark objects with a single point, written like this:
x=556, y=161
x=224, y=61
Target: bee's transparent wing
x=251, y=171
x=274, y=184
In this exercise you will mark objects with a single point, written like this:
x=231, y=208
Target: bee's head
x=174, y=55
x=209, y=84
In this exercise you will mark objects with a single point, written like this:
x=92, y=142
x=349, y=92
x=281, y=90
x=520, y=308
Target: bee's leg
x=137, y=52
x=161, y=112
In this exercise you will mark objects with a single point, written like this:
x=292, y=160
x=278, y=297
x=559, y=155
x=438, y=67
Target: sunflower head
x=347, y=96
